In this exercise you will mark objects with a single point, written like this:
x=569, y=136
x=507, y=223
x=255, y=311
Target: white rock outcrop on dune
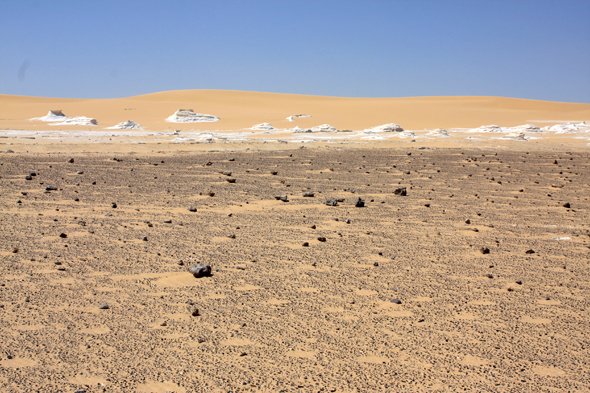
x=53, y=115
x=438, y=132
x=292, y=118
x=406, y=134
x=516, y=135
x=263, y=126
x=126, y=125
x=490, y=128
x=323, y=128
x=77, y=121
x=189, y=116
x=568, y=128
x=528, y=128
x=391, y=127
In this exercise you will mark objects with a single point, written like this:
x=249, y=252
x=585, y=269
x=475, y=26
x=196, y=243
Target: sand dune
x=239, y=110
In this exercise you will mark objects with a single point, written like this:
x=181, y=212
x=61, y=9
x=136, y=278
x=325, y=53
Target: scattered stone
x=192, y=209
x=396, y=301
x=168, y=221
x=145, y=239
x=114, y=205
x=347, y=221
x=63, y=235
x=15, y=250
x=230, y=214
x=195, y=312
x=331, y=202
x=164, y=324
x=359, y=202
x=231, y=236
x=76, y=199
x=211, y=194
x=50, y=188
x=305, y=244
x=489, y=276
x=484, y=250
x=61, y=268
x=226, y=173
x=103, y=306
x=281, y=198
x=427, y=205
x=519, y=282
x=180, y=262
x=400, y=191
x=375, y=264
x=200, y=271
x=468, y=221
x=28, y=177
x=80, y=172
x=308, y=194
x=529, y=252
x=230, y=180
x=232, y=159
x=243, y=354
x=274, y=172
x=566, y=205
x=313, y=226
x=321, y=239
x=71, y=160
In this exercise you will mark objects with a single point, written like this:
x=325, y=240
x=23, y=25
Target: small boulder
x=200, y=271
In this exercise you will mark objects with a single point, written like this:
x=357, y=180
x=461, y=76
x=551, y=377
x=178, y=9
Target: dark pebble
x=200, y=271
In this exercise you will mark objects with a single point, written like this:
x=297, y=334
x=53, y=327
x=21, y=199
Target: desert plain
x=351, y=260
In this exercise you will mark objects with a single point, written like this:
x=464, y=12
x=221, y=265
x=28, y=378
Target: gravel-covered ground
x=478, y=279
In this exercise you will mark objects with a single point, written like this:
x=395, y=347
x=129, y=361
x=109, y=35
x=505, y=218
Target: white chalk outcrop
x=53, y=115
x=292, y=118
x=391, y=127
x=438, y=132
x=77, y=121
x=323, y=128
x=567, y=128
x=263, y=126
x=490, y=128
x=189, y=116
x=528, y=128
x=406, y=134
x=126, y=125
x=516, y=136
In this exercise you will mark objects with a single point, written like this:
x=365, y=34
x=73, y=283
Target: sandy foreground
x=477, y=280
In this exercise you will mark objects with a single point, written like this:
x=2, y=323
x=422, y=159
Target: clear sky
x=534, y=49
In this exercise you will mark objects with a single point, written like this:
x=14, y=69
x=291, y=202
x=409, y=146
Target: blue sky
x=104, y=49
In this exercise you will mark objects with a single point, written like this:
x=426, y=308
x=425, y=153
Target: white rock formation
x=567, y=128
x=323, y=128
x=439, y=132
x=391, y=127
x=77, y=121
x=189, y=116
x=53, y=115
x=516, y=135
x=406, y=134
x=263, y=126
x=490, y=128
x=126, y=125
x=292, y=118
x=528, y=128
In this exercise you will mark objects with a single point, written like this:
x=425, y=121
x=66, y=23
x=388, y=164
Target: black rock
x=104, y=306
x=114, y=205
x=489, y=276
x=566, y=205
x=231, y=236
x=80, y=172
x=359, y=202
x=226, y=173
x=200, y=271
x=400, y=191
x=71, y=160
x=274, y=172
x=230, y=180
x=50, y=188
x=144, y=239
x=305, y=244
x=168, y=221
x=321, y=239
x=396, y=301
x=76, y=199
x=308, y=194
x=63, y=235
x=28, y=177
x=484, y=250
x=192, y=209
x=375, y=263
x=519, y=282
x=281, y=198
x=32, y=174
x=331, y=202
x=468, y=221
x=529, y=252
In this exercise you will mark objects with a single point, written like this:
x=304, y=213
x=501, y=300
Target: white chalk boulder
x=391, y=127
x=126, y=125
x=438, y=132
x=490, y=128
x=263, y=126
x=53, y=115
x=77, y=121
x=323, y=128
x=189, y=116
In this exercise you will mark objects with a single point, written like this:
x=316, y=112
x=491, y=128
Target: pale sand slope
x=239, y=110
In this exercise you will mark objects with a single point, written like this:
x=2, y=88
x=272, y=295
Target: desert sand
x=476, y=279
